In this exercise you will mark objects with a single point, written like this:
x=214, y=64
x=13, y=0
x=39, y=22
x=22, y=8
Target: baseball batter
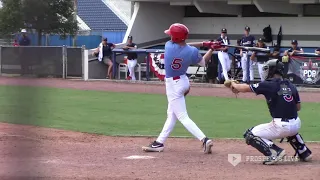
x=178, y=57
x=223, y=54
x=284, y=103
x=248, y=41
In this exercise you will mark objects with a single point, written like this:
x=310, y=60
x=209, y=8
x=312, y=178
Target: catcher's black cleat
x=154, y=147
x=275, y=157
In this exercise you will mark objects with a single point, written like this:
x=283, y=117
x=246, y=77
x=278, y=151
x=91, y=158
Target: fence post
x=0, y=60
x=83, y=47
x=248, y=67
x=64, y=62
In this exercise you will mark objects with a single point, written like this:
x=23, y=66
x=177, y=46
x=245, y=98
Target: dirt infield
x=39, y=153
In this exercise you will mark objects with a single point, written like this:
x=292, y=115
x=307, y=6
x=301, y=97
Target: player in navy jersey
x=248, y=41
x=178, y=57
x=260, y=57
x=223, y=54
x=283, y=101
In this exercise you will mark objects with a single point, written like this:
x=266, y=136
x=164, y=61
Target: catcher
x=284, y=103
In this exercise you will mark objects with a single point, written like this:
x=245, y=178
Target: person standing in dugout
x=132, y=58
x=261, y=57
x=223, y=54
x=248, y=41
x=284, y=103
x=236, y=60
x=290, y=52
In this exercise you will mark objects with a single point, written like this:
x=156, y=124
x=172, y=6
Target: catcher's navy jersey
x=178, y=58
x=281, y=95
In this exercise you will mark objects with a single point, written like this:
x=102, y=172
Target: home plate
x=139, y=157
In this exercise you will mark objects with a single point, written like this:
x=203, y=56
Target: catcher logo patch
x=288, y=98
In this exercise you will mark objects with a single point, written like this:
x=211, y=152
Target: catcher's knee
x=257, y=142
x=299, y=146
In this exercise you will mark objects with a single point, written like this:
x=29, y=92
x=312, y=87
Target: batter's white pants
x=177, y=110
x=244, y=64
x=131, y=66
x=260, y=67
x=225, y=63
x=277, y=129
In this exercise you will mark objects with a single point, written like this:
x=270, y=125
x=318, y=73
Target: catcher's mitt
x=228, y=84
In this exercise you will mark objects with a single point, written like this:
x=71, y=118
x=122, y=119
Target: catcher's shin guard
x=257, y=143
x=301, y=149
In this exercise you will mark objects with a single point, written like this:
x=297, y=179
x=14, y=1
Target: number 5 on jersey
x=176, y=64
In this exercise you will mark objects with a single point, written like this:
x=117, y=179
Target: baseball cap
x=23, y=30
x=247, y=28
x=294, y=42
x=129, y=37
x=223, y=30
x=105, y=39
x=260, y=40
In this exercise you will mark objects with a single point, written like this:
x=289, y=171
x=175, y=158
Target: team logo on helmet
x=309, y=72
x=156, y=61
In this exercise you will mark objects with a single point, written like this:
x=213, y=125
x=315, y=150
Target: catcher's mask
x=272, y=67
x=178, y=32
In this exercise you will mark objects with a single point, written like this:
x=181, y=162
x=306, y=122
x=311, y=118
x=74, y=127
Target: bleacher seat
x=99, y=17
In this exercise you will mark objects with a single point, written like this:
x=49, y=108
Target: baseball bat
x=250, y=48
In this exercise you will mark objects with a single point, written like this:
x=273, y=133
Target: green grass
x=112, y=113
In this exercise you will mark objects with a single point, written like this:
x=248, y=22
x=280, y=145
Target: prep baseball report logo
x=235, y=159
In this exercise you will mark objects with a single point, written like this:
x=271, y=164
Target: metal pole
x=248, y=67
x=83, y=58
x=0, y=60
x=64, y=59
x=148, y=67
x=75, y=18
x=114, y=65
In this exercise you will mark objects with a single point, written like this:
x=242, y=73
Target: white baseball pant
x=131, y=63
x=177, y=110
x=244, y=64
x=260, y=66
x=277, y=129
x=225, y=63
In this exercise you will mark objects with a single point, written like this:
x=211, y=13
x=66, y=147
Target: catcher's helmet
x=178, y=32
x=272, y=67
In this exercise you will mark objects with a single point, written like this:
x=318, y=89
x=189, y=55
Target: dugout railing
x=303, y=68
x=42, y=61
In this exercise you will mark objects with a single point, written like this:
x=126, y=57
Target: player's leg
x=244, y=67
x=260, y=66
x=180, y=110
x=260, y=137
x=133, y=64
x=251, y=64
x=223, y=63
x=157, y=146
x=228, y=61
x=296, y=141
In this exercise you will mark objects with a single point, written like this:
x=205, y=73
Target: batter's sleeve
x=261, y=88
x=196, y=56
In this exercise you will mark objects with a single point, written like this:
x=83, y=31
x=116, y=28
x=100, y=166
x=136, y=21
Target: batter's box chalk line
x=138, y=157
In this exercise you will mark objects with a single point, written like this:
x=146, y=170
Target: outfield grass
x=112, y=113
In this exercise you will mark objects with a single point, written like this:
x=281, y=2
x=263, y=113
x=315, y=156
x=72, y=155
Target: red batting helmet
x=178, y=32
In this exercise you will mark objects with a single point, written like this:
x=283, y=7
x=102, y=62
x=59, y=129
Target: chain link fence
x=39, y=61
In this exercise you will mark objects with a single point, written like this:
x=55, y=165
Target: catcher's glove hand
x=228, y=84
